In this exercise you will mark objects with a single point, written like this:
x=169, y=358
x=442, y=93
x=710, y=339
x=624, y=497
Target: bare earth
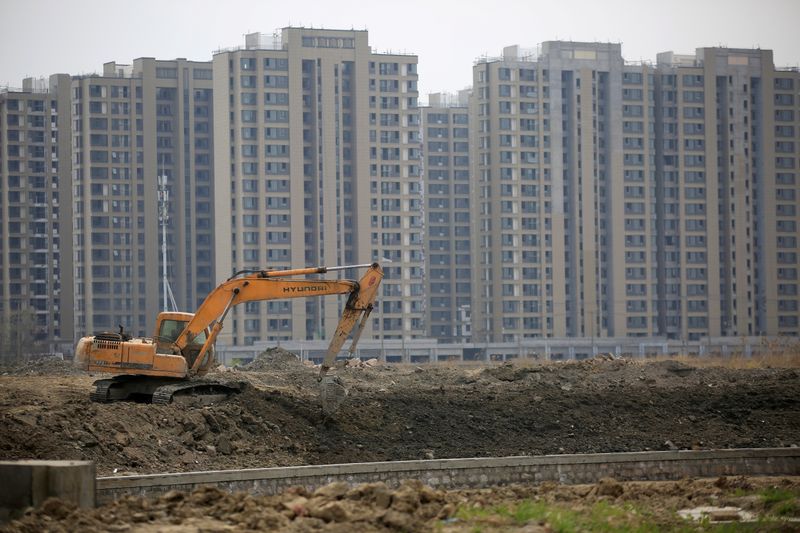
x=394, y=413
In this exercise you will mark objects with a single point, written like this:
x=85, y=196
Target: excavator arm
x=270, y=285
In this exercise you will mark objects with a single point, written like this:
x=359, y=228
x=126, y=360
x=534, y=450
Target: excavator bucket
x=331, y=393
x=357, y=310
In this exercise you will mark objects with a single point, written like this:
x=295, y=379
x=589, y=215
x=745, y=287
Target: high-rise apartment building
x=135, y=127
x=618, y=199
x=564, y=216
x=570, y=193
x=317, y=162
x=448, y=239
x=35, y=215
x=727, y=133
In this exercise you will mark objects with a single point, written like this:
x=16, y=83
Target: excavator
x=172, y=363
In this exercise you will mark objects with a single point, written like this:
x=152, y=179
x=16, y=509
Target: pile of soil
x=42, y=366
x=273, y=359
x=401, y=413
x=415, y=507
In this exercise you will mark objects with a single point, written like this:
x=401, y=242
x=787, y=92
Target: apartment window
x=632, y=110
x=632, y=78
x=693, y=96
x=693, y=112
x=166, y=73
x=692, y=80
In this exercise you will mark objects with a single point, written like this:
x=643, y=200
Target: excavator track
x=204, y=391
x=102, y=391
x=162, y=391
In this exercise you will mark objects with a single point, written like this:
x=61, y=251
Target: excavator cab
x=169, y=326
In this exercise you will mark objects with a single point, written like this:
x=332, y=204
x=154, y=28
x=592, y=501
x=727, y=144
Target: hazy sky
x=42, y=37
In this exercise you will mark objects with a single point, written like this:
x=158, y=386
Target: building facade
x=728, y=140
x=133, y=128
x=563, y=211
x=448, y=236
x=617, y=199
x=318, y=163
x=569, y=193
x=36, y=298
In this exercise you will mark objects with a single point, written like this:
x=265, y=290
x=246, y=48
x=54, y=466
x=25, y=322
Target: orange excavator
x=173, y=361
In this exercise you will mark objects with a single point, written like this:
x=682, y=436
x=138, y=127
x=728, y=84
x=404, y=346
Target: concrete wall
x=26, y=484
x=477, y=472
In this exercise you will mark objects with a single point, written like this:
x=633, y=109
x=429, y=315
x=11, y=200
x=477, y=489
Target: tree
x=19, y=336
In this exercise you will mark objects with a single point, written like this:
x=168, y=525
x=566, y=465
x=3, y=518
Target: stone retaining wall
x=473, y=473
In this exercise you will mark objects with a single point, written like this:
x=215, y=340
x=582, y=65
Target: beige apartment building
x=564, y=217
x=35, y=216
x=448, y=236
x=317, y=162
x=132, y=128
x=728, y=188
x=618, y=199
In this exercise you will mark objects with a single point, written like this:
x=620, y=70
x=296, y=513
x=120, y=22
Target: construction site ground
x=399, y=413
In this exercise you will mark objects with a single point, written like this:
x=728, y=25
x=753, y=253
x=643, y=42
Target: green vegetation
x=781, y=502
x=601, y=516
x=604, y=516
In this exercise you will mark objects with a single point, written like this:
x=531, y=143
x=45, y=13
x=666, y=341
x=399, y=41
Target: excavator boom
x=266, y=285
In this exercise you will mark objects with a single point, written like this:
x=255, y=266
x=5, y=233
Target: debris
x=717, y=514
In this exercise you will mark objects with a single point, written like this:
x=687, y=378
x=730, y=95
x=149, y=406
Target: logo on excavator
x=371, y=281
x=307, y=288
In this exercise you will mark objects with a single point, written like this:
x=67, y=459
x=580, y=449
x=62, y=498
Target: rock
x=56, y=508
x=378, y=493
x=297, y=505
x=609, y=487
x=355, y=362
x=670, y=445
x=397, y=520
x=122, y=439
x=333, y=491
x=224, y=445
x=372, y=362
x=187, y=458
x=405, y=499
x=330, y=512
x=135, y=456
x=173, y=496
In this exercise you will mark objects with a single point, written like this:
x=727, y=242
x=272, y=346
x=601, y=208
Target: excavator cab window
x=200, y=338
x=171, y=329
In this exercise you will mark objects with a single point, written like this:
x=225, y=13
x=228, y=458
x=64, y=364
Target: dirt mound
x=608, y=505
x=273, y=359
x=43, y=366
x=368, y=507
x=400, y=413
